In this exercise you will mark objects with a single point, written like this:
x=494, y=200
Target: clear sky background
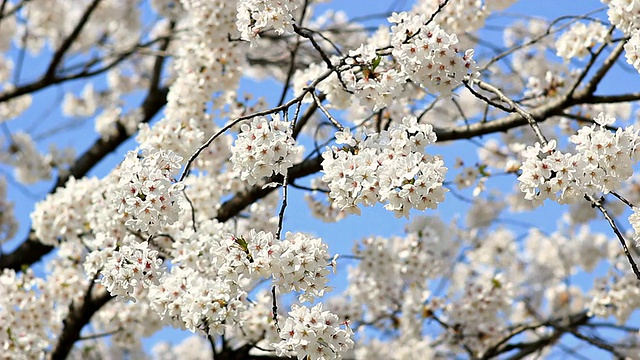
x=45, y=115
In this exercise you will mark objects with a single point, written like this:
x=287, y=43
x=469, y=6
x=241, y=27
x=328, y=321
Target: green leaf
x=375, y=63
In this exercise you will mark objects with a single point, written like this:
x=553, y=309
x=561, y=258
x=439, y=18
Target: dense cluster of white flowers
x=427, y=54
x=255, y=16
x=401, y=348
x=298, y=263
x=389, y=167
x=388, y=266
x=313, y=333
x=129, y=267
x=207, y=68
x=59, y=215
x=632, y=49
x=31, y=166
x=392, y=63
x=148, y=194
x=263, y=148
x=192, y=348
x=49, y=24
x=373, y=81
x=458, y=16
x=579, y=39
x=617, y=297
x=624, y=14
x=212, y=272
x=478, y=312
x=258, y=325
x=109, y=121
x=602, y=162
x=21, y=330
x=634, y=220
x=126, y=317
x=32, y=308
x=200, y=304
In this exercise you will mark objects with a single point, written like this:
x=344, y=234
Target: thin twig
x=615, y=229
x=236, y=121
x=525, y=115
x=623, y=199
x=193, y=211
x=326, y=112
x=274, y=308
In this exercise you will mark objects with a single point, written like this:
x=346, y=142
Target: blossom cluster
x=617, y=297
x=255, y=16
x=478, y=311
x=579, y=39
x=206, y=68
x=32, y=309
x=389, y=266
x=212, y=272
x=59, y=215
x=127, y=318
x=372, y=79
x=21, y=330
x=258, y=324
x=624, y=14
x=634, y=220
x=129, y=267
x=264, y=147
x=401, y=348
x=148, y=194
x=390, y=166
x=392, y=64
x=188, y=300
x=298, y=263
x=459, y=16
x=313, y=333
x=632, y=50
x=428, y=55
x=30, y=164
x=602, y=162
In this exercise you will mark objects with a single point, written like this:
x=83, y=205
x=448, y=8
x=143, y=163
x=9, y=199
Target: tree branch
x=68, y=41
x=79, y=315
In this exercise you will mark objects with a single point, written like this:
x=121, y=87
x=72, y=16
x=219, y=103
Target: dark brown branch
x=69, y=40
x=79, y=315
x=566, y=322
x=243, y=199
x=31, y=250
x=592, y=85
x=45, y=82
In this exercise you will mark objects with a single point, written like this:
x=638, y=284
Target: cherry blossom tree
x=429, y=108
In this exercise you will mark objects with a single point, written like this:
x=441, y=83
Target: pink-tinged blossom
x=428, y=55
x=390, y=167
x=147, y=193
x=602, y=162
x=131, y=266
x=263, y=148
